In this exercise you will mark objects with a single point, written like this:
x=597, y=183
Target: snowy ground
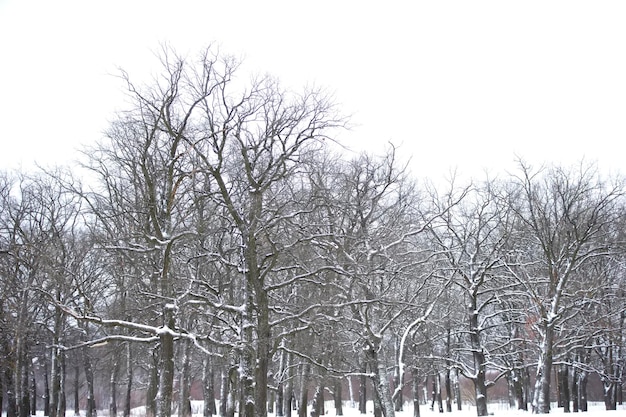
x=497, y=410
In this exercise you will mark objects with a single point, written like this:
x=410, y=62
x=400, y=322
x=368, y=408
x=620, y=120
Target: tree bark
x=363, y=389
x=184, y=382
x=510, y=385
x=304, y=391
x=575, y=406
x=62, y=384
x=46, y=387
x=316, y=408
x=55, y=366
x=541, y=400
x=33, y=395
x=1, y=392
x=448, y=385
x=11, y=410
x=564, y=387
x=337, y=397
x=115, y=369
x=380, y=380
x=129, y=380
x=24, y=389
x=479, y=377
x=231, y=390
x=378, y=409
x=416, y=393
x=248, y=359
x=224, y=380
x=287, y=388
x=518, y=388
x=77, y=389
x=439, y=398
x=280, y=399
x=398, y=383
x=582, y=391
x=263, y=342
x=153, y=384
x=166, y=365
x=208, y=386
x=91, y=401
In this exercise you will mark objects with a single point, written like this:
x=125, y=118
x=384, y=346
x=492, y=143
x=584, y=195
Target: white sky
x=466, y=84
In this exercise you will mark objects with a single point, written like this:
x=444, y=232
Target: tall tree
x=472, y=236
x=565, y=219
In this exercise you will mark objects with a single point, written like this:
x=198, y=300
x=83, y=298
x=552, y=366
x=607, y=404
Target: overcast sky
x=465, y=84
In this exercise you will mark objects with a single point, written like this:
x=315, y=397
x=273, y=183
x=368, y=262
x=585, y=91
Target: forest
x=219, y=244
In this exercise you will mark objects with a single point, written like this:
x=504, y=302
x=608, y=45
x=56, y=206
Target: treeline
x=217, y=234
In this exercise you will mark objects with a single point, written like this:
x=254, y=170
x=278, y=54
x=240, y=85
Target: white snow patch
x=495, y=409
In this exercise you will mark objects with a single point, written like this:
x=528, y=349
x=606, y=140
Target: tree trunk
x=55, y=379
x=129, y=380
x=517, y=379
x=166, y=377
x=363, y=389
x=448, y=390
x=24, y=388
x=337, y=397
x=457, y=391
x=247, y=358
x=416, y=393
x=316, y=408
x=378, y=409
x=55, y=366
x=608, y=383
x=575, y=373
x=224, y=380
x=91, y=401
x=287, y=387
x=609, y=396
x=510, y=384
x=46, y=388
x=153, y=384
x=62, y=384
x=433, y=392
x=564, y=387
x=582, y=391
x=1, y=393
x=115, y=368
x=9, y=381
x=617, y=376
x=184, y=382
x=397, y=382
x=271, y=395
x=263, y=343
x=76, y=389
x=541, y=400
x=280, y=399
x=447, y=381
x=439, y=398
x=380, y=381
x=208, y=388
x=33, y=395
x=231, y=390
x=480, y=388
x=304, y=391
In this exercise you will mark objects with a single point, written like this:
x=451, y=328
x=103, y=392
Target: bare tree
x=472, y=236
x=370, y=235
x=565, y=219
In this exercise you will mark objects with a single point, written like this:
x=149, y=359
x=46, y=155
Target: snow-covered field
x=497, y=410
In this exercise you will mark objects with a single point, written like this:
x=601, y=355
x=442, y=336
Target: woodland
x=219, y=244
